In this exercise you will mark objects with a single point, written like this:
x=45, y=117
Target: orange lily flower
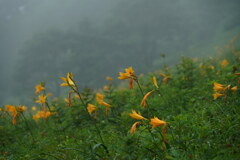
x=133, y=128
x=165, y=79
x=224, y=63
x=144, y=103
x=36, y=117
x=154, y=79
x=44, y=114
x=68, y=81
x=136, y=115
x=155, y=122
x=39, y=88
x=129, y=74
x=109, y=78
x=234, y=89
x=22, y=108
x=42, y=98
x=216, y=95
x=218, y=87
x=91, y=108
x=34, y=108
x=13, y=112
x=99, y=98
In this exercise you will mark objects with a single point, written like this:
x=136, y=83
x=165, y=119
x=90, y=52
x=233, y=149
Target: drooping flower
x=68, y=81
x=123, y=76
x=105, y=104
x=76, y=96
x=144, y=100
x=154, y=79
x=216, y=95
x=234, y=89
x=133, y=128
x=136, y=115
x=218, y=87
x=99, y=98
x=39, y=88
x=91, y=108
x=222, y=88
x=13, y=111
x=165, y=78
x=155, y=122
x=224, y=63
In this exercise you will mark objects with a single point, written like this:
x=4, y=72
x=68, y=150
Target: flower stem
x=139, y=86
x=27, y=125
x=75, y=89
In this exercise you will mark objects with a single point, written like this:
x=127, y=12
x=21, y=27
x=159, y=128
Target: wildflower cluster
x=14, y=112
x=155, y=122
x=44, y=113
x=161, y=121
x=221, y=90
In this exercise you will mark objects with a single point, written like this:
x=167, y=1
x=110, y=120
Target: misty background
x=42, y=40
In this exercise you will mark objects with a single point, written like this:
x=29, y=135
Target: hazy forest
x=120, y=79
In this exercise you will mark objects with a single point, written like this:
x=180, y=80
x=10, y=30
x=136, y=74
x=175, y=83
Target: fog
x=42, y=40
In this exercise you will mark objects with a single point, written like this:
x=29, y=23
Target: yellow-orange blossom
x=129, y=74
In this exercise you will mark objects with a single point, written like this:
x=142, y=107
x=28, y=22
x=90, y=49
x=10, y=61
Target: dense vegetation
x=190, y=111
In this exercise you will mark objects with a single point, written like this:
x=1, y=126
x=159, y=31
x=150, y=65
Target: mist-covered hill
x=42, y=40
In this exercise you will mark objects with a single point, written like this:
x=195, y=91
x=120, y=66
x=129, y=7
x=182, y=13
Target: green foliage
x=198, y=127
